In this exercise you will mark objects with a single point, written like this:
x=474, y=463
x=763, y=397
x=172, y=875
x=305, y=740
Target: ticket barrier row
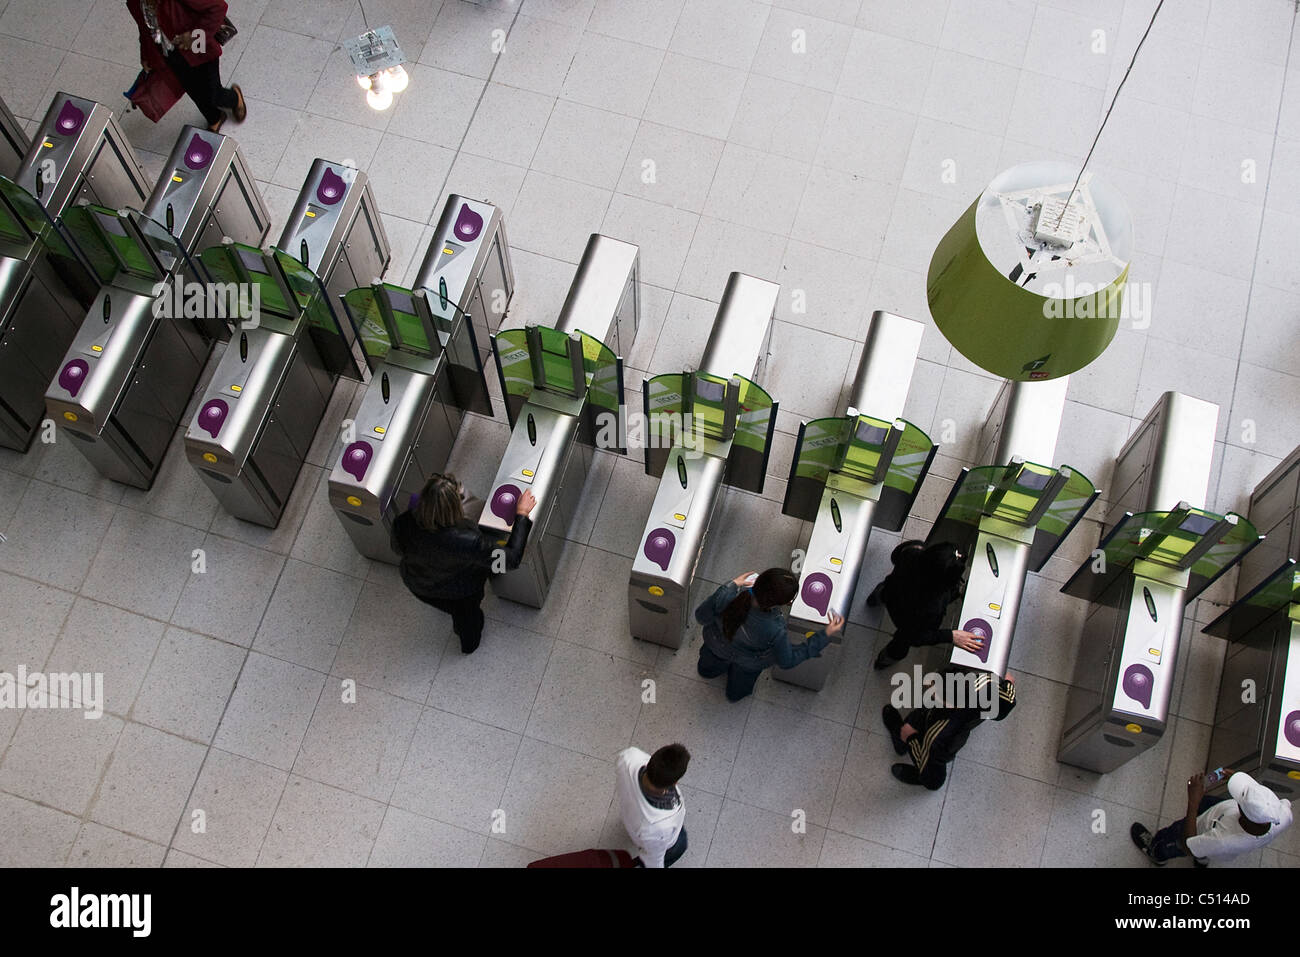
x=1158, y=551
x=427, y=371
x=46, y=285
x=1257, y=720
x=1008, y=518
x=704, y=429
x=849, y=474
x=257, y=418
x=563, y=390
x=123, y=386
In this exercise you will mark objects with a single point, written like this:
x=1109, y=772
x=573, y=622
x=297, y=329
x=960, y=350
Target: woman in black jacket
x=446, y=559
x=917, y=594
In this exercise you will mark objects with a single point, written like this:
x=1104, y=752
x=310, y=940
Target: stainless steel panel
x=669, y=549
x=742, y=328
x=79, y=152
x=388, y=435
x=991, y=601
x=828, y=579
x=885, y=370
x=1024, y=423
x=1167, y=459
x=602, y=287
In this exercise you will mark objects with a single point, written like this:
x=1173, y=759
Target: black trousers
x=203, y=84
x=466, y=618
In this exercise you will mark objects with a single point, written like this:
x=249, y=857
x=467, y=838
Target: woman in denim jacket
x=745, y=632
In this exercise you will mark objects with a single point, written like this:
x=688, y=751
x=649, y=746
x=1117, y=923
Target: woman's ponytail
x=773, y=588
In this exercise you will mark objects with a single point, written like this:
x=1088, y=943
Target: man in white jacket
x=650, y=804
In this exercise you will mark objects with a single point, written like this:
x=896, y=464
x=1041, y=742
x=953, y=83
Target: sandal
x=241, y=108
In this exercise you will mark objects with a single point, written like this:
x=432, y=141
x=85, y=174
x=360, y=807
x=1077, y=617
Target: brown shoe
x=241, y=108
x=216, y=127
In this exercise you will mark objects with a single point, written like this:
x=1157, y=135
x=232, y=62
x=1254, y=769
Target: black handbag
x=226, y=32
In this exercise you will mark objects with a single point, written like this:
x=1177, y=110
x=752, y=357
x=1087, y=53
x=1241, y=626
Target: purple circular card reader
x=1291, y=728
x=356, y=459
x=816, y=592
x=70, y=119
x=504, y=501
x=659, y=546
x=213, y=415
x=73, y=376
x=1138, y=684
x=468, y=224
x=331, y=187
x=978, y=626
x=198, y=153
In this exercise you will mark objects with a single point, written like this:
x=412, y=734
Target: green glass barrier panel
x=1227, y=549
x=231, y=262
x=1021, y=498
x=408, y=329
x=83, y=228
x=14, y=227
x=556, y=365
x=907, y=468
x=165, y=246
x=820, y=451
x=33, y=216
x=312, y=298
x=602, y=369
x=363, y=306
x=967, y=503
x=865, y=445
x=1061, y=514
x=753, y=417
x=516, y=364
x=664, y=394
x=708, y=404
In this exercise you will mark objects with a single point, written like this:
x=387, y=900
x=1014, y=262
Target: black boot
x=905, y=773
x=894, y=725
x=873, y=600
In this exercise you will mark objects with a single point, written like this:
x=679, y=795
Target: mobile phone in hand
x=750, y=579
x=1212, y=778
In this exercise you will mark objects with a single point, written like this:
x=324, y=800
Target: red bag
x=588, y=858
x=155, y=92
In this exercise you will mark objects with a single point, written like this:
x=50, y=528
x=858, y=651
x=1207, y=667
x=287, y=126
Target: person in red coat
x=180, y=36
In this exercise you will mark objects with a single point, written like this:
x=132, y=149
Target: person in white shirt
x=650, y=804
x=1218, y=828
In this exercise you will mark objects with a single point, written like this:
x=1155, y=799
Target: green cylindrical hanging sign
x=1028, y=285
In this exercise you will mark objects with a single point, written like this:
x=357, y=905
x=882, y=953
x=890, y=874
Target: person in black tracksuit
x=447, y=559
x=931, y=737
x=916, y=594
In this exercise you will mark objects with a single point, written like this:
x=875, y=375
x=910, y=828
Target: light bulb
x=363, y=81
x=379, y=99
x=397, y=79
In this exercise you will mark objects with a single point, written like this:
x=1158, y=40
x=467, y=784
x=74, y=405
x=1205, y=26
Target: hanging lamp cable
x=1113, y=101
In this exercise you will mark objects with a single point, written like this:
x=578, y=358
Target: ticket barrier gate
x=257, y=418
x=1257, y=721
x=123, y=386
x=563, y=389
x=704, y=428
x=1157, y=552
x=46, y=285
x=423, y=358
x=468, y=265
x=13, y=142
x=848, y=474
x=1009, y=518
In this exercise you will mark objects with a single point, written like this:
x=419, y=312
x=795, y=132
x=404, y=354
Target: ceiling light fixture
x=377, y=60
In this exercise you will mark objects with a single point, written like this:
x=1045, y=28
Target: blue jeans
x=740, y=681
x=673, y=853
x=1165, y=844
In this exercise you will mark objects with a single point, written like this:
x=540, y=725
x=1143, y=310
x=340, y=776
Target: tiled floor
x=823, y=170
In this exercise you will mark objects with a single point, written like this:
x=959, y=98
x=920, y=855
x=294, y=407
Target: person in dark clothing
x=931, y=737
x=916, y=594
x=180, y=36
x=745, y=632
x=447, y=559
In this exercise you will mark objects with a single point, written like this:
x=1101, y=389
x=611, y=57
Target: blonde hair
x=440, y=503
